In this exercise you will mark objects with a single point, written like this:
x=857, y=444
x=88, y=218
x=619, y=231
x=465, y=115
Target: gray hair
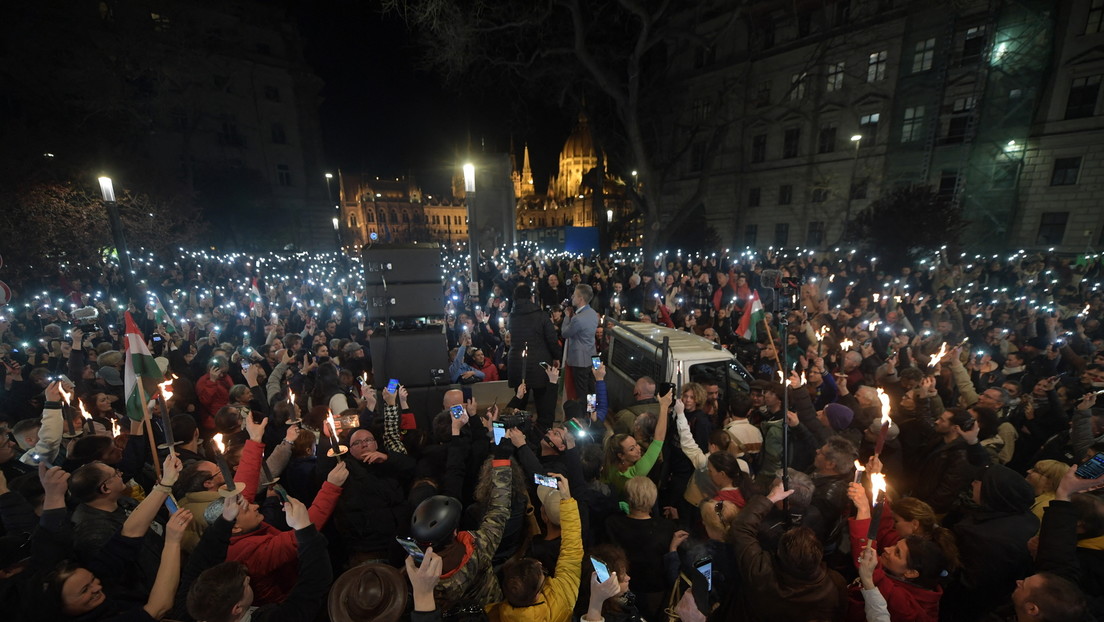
x=585, y=292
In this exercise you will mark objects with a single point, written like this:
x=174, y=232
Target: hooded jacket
x=992, y=540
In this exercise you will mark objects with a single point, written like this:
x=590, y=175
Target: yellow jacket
x=557, y=598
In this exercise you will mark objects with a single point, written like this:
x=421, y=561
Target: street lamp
x=107, y=191
x=473, y=227
x=857, y=139
x=336, y=223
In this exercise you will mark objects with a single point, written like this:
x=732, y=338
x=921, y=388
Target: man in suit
x=577, y=330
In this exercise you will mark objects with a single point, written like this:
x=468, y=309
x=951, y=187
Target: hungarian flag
x=139, y=366
x=752, y=317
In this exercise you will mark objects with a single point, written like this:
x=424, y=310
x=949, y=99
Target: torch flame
x=166, y=388
x=65, y=395
x=846, y=344
x=802, y=380
x=1085, y=311
x=877, y=485
x=115, y=429
x=83, y=411
x=781, y=377
x=333, y=426
x=859, y=467
x=884, y=399
x=217, y=440
x=824, y=330
x=291, y=396
x=939, y=355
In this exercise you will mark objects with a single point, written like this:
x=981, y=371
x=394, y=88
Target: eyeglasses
x=115, y=473
x=363, y=443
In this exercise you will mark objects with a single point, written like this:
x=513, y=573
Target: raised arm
x=139, y=520
x=168, y=572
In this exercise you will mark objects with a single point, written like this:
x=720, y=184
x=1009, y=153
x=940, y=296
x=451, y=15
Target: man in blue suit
x=578, y=330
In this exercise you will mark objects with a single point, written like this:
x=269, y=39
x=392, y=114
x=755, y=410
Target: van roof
x=684, y=345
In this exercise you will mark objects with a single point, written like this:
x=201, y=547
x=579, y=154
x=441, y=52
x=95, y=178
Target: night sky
x=382, y=114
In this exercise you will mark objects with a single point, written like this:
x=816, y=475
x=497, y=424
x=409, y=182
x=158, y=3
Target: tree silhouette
x=905, y=224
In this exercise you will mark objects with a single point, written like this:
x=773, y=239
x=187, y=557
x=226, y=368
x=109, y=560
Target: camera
x=85, y=318
x=518, y=419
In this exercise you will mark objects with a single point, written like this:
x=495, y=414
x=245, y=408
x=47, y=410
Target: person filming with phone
x=578, y=330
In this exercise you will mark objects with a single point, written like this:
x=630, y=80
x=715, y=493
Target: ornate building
x=570, y=200
x=396, y=211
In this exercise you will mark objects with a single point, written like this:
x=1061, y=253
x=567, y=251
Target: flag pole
x=148, y=424
x=770, y=337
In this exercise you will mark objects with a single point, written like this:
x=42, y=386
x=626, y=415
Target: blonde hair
x=641, y=493
x=1052, y=472
x=697, y=391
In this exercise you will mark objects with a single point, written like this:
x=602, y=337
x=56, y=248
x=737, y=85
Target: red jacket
x=490, y=371
x=271, y=555
x=213, y=395
x=907, y=602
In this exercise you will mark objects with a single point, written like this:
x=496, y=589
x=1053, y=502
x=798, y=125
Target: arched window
x=406, y=217
x=394, y=217
x=369, y=216
x=353, y=224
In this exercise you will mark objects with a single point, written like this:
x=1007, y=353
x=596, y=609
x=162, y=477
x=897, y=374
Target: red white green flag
x=140, y=365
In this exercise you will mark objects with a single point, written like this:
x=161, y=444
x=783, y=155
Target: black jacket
x=946, y=471
x=530, y=326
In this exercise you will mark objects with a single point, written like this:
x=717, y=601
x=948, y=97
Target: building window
x=797, y=86
x=369, y=216
x=228, y=135
x=814, y=235
x=913, y=124
x=278, y=135
x=406, y=217
x=763, y=94
x=1081, y=102
x=704, y=56
x=353, y=224
x=759, y=148
x=272, y=93
x=1065, y=171
x=820, y=195
x=1052, y=227
x=868, y=126
x=790, y=141
x=781, y=234
x=948, y=182
x=964, y=104
x=697, y=158
x=283, y=175
x=785, y=194
x=835, y=77
x=394, y=217
x=924, y=55
x=768, y=33
x=701, y=108
x=1005, y=174
x=751, y=233
x=754, y=197
x=974, y=45
x=826, y=140
x=1096, y=12
x=876, y=66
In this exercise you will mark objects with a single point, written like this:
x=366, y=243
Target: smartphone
x=969, y=425
x=499, y=432
x=393, y=385
x=596, y=361
x=600, y=569
x=545, y=365
x=705, y=567
x=412, y=549
x=546, y=480
x=40, y=459
x=156, y=338
x=457, y=411
x=1093, y=468
x=665, y=388
x=280, y=492
x=592, y=402
x=246, y=365
x=170, y=505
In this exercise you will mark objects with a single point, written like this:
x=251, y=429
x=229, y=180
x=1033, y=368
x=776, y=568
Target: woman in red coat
x=912, y=560
x=213, y=390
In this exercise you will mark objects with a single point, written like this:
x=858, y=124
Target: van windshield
x=730, y=375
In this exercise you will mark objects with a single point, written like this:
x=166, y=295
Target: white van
x=635, y=349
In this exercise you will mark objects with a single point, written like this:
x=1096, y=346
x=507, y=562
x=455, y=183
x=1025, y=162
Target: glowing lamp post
x=107, y=191
x=473, y=227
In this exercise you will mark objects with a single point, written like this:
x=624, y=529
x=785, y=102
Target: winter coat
x=375, y=509
x=557, y=597
x=946, y=471
x=907, y=602
x=272, y=555
x=767, y=591
x=530, y=326
x=993, y=542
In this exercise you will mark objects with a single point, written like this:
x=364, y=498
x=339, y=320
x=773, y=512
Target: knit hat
x=891, y=433
x=839, y=416
x=550, y=500
x=374, y=592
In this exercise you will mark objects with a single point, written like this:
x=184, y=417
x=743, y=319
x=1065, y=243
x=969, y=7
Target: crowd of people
x=267, y=480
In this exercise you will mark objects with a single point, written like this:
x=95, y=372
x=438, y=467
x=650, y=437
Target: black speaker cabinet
x=406, y=300
x=417, y=358
x=401, y=263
